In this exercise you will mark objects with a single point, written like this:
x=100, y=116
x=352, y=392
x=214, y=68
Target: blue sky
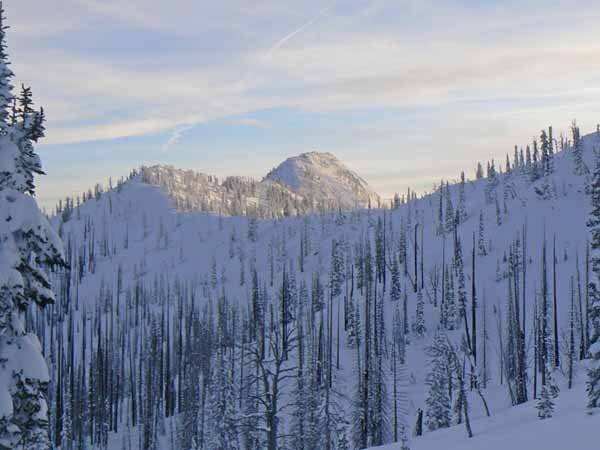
x=405, y=92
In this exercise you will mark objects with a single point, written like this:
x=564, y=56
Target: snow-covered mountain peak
x=302, y=184
x=324, y=177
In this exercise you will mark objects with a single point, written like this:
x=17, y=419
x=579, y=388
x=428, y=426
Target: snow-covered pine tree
x=545, y=404
x=438, y=413
x=479, y=171
x=528, y=162
x=461, y=291
x=462, y=202
x=450, y=219
x=546, y=168
x=498, y=211
x=419, y=327
x=536, y=169
x=440, y=211
x=395, y=288
x=222, y=420
x=481, y=248
x=579, y=165
x=29, y=246
x=593, y=223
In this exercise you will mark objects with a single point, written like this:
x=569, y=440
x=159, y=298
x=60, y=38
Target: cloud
x=364, y=54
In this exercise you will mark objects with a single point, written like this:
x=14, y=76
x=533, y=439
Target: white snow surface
x=518, y=428
x=196, y=238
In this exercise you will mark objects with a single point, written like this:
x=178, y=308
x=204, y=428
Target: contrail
x=176, y=137
x=303, y=27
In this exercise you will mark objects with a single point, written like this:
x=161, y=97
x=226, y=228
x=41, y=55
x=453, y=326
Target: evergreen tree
x=577, y=152
x=450, y=222
x=593, y=223
x=481, y=248
x=545, y=404
x=438, y=413
x=29, y=247
x=498, y=211
x=395, y=289
x=419, y=323
x=479, y=171
x=462, y=202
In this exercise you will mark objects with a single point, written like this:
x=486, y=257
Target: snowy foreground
x=518, y=428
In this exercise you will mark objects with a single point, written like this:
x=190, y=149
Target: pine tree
x=395, y=289
x=481, y=248
x=571, y=341
x=438, y=413
x=545, y=404
x=479, y=171
x=419, y=324
x=440, y=212
x=498, y=211
x=593, y=223
x=462, y=203
x=450, y=222
x=461, y=291
x=577, y=152
x=29, y=247
x=222, y=433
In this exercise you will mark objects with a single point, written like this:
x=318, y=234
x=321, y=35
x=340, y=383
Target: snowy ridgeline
x=309, y=183
x=188, y=330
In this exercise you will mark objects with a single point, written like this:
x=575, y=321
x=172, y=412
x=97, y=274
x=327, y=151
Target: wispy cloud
x=359, y=58
x=465, y=66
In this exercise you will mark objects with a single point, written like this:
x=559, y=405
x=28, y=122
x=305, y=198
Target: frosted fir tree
x=577, y=152
x=498, y=211
x=419, y=323
x=593, y=223
x=546, y=154
x=395, y=288
x=28, y=247
x=462, y=202
x=461, y=291
x=450, y=221
x=440, y=211
x=492, y=182
x=545, y=404
x=481, y=249
x=449, y=306
x=222, y=420
x=438, y=413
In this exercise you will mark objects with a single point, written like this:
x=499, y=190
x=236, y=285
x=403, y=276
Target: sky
x=405, y=92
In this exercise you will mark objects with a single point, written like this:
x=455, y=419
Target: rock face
x=308, y=183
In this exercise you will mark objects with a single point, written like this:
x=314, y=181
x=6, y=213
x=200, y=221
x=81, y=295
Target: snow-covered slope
x=309, y=183
x=139, y=263
x=518, y=428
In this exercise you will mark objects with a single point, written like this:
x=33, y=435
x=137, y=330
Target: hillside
x=518, y=428
x=166, y=316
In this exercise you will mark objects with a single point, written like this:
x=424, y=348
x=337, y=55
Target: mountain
x=166, y=317
x=308, y=183
x=323, y=177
